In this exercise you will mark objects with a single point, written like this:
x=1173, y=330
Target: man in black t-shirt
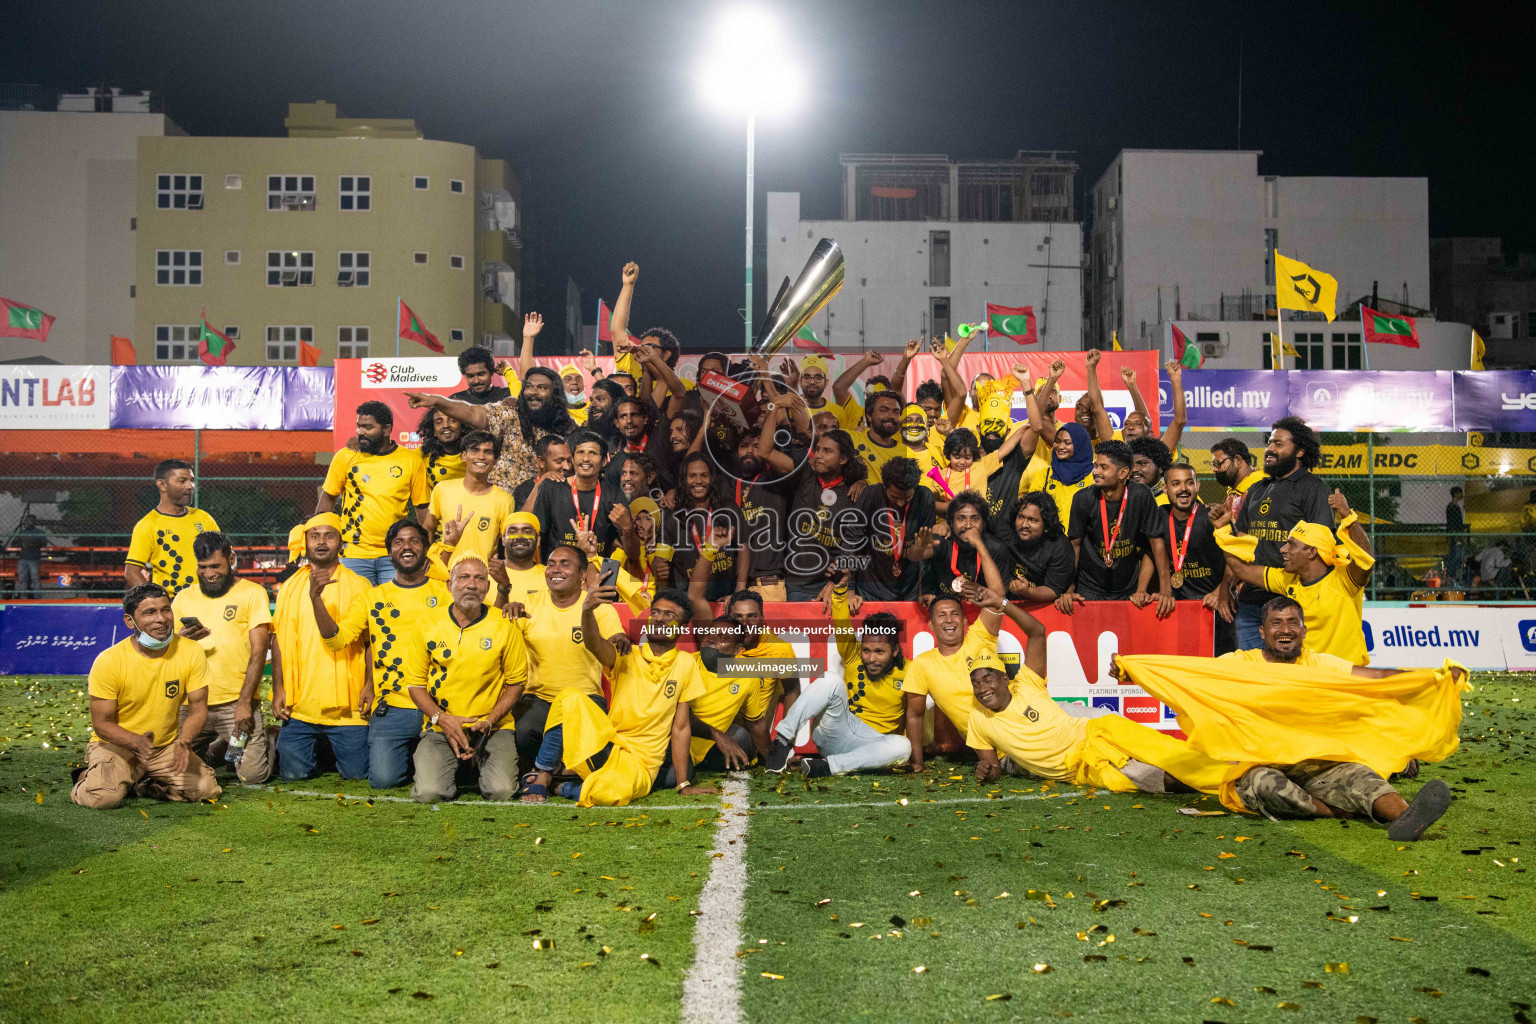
x=1111, y=523
x=764, y=509
x=479, y=367
x=584, y=497
x=1287, y=495
x=1043, y=560
x=895, y=510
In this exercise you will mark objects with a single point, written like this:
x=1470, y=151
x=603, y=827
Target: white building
x=1182, y=235
x=67, y=206
x=928, y=243
x=1245, y=345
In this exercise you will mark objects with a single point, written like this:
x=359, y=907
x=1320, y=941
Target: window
x=356, y=192
x=419, y=258
x=351, y=342
x=177, y=343
x=938, y=317
x=283, y=342
x=291, y=192
x=290, y=269
x=938, y=260
x=1309, y=350
x=232, y=182
x=420, y=183
x=233, y=330
x=455, y=186
x=178, y=192
x=1346, y=351
x=456, y=262
x=352, y=269
x=232, y=257
x=179, y=266
x=1271, y=242
x=457, y=334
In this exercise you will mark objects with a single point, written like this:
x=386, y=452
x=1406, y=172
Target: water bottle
x=236, y=749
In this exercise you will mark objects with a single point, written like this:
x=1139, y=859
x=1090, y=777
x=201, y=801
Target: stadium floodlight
x=748, y=70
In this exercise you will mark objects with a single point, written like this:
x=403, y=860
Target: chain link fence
x=87, y=500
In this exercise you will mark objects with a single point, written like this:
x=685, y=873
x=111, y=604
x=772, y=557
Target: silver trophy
x=793, y=306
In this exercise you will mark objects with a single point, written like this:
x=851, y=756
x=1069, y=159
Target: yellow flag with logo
x=1298, y=286
x=1479, y=350
x=1114, y=340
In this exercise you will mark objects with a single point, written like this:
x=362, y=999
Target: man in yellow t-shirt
x=745, y=607
x=558, y=660
x=234, y=628
x=813, y=382
x=520, y=573
x=718, y=744
x=137, y=688
x=1283, y=630
x=944, y=673
x=319, y=694
x=442, y=446
x=387, y=615
x=480, y=508
x=847, y=709
x=160, y=550
x=465, y=668
x=369, y=489
x=619, y=754
x=1327, y=578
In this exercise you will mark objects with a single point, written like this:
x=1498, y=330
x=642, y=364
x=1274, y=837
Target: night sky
x=596, y=106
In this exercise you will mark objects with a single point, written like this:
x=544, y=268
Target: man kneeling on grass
x=137, y=688
x=465, y=667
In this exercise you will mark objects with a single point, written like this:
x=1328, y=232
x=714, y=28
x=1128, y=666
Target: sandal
x=533, y=792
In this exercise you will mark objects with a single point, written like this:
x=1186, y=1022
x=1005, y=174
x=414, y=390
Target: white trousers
x=846, y=741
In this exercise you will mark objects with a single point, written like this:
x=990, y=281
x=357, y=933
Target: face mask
x=149, y=643
x=580, y=398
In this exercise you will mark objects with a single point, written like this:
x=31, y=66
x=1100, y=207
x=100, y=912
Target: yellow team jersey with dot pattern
x=162, y=545
x=372, y=491
x=390, y=612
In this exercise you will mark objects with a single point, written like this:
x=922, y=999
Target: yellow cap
x=644, y=504
x=813, y=363
x=985, y=659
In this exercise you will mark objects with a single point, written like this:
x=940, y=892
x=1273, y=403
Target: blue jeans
x=374, y=570
x=298, y=741
x=1248, y=619
x=530, y=724
x=392, y=736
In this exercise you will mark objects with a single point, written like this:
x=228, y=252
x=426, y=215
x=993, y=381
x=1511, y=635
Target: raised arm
x=899, y=378
x=591, y=633
x=618, y=323
x=841, y=387
x=1102, y=427
x=464, y=412
x=1034, y=637
x=658, y=368
x=1128, y=377
x=1175, y=430
x=1355, y=533
x=533, y=323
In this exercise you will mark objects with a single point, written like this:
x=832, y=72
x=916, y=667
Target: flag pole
x=1277, y=357
x=1365, y=349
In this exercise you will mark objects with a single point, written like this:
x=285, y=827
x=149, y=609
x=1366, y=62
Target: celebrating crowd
x=450, y=614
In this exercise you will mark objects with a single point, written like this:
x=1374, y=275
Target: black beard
x=402, y=569
x=219, y=589
x=1275, y=655
x=369, y=445
x=543, y=417
x=1283, y=467
x=991, y=442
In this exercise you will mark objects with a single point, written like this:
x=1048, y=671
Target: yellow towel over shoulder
x=1285, y=714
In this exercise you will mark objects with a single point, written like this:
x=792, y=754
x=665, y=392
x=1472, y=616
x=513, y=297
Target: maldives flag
x=1016, y=322
x=604, y=323
x=1388, y=330
x=1186, y=351
x=411, y=329
x=24, y=321
x=213, y=347
x=806, y=341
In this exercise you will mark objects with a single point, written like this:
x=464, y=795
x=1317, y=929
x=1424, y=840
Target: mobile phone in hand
x=190, y=622
x=608, y=574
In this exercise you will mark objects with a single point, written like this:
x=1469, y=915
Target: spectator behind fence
x=230, y=619
x=160, y=550
x=1455, y=526
x=29, y=541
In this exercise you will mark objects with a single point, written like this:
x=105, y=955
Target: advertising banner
x=1405, y=460
x=56, y=639
x=1373, y=399
x=1496, y=400
x=1423, y=636
x=199, y=397
x=1228, y=399
x=54, y=397
x=309, y=398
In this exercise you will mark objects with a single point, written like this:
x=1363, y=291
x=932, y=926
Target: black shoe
x=815, y=768
x=778, y=756
x=1423, y=811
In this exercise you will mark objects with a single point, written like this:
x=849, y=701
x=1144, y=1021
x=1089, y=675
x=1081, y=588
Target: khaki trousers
x=111, y=771
x=438, y=768
x=212, y=743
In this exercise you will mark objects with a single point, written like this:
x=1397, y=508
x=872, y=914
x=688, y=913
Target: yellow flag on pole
x=1298, y=286
x=1114, y=340
x=1479, y=350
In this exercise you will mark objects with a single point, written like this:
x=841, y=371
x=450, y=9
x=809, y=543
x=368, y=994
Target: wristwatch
x=434, y=718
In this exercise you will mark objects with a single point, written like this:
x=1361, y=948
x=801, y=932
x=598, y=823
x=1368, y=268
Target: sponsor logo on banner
x=1147, y=710
x=1423, y=636
x=430, y=372
x=1527, y=631
x=54, y=397
x=1110, y=703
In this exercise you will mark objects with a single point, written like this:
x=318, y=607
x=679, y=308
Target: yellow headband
x=1316, y=535
x=296, y=543
x=913, y=409
x=330, y=519
x=467, y=556
x=813, y=363
x=570, y=369
x=524, y=519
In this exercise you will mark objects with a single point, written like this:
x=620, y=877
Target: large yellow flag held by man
x=1298, y=286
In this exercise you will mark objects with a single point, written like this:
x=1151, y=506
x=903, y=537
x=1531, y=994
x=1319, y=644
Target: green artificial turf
x=845, y=903
x=302, y=909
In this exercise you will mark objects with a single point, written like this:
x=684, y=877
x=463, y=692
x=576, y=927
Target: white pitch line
x=712, y=987
x=568, y=805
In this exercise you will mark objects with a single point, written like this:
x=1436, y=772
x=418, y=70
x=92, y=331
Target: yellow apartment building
x=313, y=238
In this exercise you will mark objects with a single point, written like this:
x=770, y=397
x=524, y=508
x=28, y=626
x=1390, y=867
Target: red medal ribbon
x=581, y=519
x=828, y=486
x=1182, y=549
x=1111, y=537
x=750, y=484
x=899, y=543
